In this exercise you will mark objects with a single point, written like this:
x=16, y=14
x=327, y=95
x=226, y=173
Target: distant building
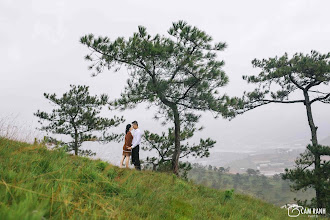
x=263, y=165
x=276, y=164
x=261, y=161
x=269, y=173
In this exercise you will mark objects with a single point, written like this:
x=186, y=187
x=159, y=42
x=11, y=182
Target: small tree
x=223, y=170
x=164, y=145
x=304, y=176
x=179, y=74
x=305, y=73
x=252, y=172
x=76, y=114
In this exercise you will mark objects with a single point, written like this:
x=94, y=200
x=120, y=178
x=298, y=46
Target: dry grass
x=13, y=129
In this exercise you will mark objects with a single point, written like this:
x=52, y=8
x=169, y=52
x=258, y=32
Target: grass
x=37, y=183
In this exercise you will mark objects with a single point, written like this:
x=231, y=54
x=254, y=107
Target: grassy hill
x=36, y=183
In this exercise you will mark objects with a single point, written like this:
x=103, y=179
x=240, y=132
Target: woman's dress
x=128, y=143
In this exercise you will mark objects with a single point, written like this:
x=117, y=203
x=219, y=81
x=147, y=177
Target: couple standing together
x=132, y=145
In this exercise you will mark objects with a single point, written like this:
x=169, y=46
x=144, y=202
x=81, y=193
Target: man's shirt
x=137, y=135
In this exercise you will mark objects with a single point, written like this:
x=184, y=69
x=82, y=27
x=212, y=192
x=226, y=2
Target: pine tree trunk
x=154, y=166
x=75, y=142
x=317, y=169
x=310, y=120
x=176, y=154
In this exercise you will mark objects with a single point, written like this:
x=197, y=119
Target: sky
x=40, y=52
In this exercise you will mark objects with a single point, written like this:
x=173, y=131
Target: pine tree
x=304, y=73
x=179, y=74
x=164, y=145
x=76, y=114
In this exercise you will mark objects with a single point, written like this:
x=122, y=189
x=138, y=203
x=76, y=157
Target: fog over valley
x=41, y=52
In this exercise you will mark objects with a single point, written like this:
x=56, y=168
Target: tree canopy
x=312, y=172
x=76, y=114
x=301, y=72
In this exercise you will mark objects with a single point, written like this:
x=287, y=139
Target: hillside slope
x=36, y=183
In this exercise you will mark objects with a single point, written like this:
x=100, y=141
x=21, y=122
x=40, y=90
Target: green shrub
x=228, y=195
x=101, y=166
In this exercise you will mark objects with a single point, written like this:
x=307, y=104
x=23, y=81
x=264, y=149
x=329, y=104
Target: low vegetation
x=273, y=189
x=37, y=183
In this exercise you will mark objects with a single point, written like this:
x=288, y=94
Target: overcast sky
x=40, y=52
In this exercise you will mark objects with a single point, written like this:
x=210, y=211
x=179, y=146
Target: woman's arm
x=129, y=140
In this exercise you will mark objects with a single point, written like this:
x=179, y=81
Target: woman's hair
x=128, y=127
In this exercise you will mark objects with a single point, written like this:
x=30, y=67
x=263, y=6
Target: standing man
x=137, y=134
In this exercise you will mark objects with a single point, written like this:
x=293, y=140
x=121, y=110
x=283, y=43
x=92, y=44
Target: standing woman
x=127, y=150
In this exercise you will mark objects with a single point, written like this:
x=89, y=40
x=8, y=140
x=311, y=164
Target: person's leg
x=133, y=155
x=137, y=158
x=121, y=161
x=127, y=161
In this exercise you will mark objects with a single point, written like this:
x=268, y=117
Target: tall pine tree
x=179, y=74
x=309, y=74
